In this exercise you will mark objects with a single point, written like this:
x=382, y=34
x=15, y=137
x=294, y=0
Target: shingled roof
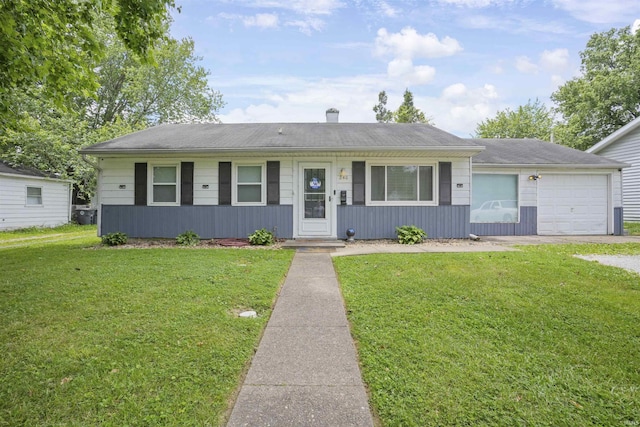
x=534, y=152
x=288, y=137
x=6, y=168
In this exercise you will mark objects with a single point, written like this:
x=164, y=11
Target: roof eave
x=46, y=178
x=471, y=149
x=554, y=166
x=624, y=130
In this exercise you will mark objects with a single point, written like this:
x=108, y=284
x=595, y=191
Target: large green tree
x=133, y=94
x=533, y=120
x=406, y=112
x=175, y=89
x=50, y=48
x=49, y=138
x=606, y=95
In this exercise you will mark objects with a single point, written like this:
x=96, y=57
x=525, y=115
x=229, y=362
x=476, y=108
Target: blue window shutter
x=186, y=183
x=140, y=184
x=224, y=183
x=273, y=183
x=445, y=183
x=358, y=183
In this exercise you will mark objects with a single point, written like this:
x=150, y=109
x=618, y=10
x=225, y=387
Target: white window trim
x=26, y=196
x=263, y=184
x=434, y=183
x=150, y=201
x=518, y=195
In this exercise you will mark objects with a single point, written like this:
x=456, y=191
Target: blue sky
x=289, y=61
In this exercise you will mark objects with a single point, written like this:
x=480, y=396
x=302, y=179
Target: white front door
x=314, y=200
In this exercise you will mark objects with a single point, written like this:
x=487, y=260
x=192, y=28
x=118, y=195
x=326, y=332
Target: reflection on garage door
x=573, y=204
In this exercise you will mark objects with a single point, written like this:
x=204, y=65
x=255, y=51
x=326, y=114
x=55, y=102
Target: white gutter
x=474, y=149
x=552, y=166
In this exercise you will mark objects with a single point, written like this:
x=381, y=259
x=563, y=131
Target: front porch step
x=314, y=243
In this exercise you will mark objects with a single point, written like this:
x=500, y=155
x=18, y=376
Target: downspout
x=70, y=196
x=98, y=204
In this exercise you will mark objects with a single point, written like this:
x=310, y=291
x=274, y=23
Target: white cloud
x=635, y=26
x=411, y=75
x=459, y=109
x=307, y=26
x=554, y=60
x=398, y=67
x=524, y=65
x=476, y=3
x=387, y=10
x=306, y=7
x=455, y=91
x=298, y=100
x=422, y=74
x=557, y=80
x=550, y=61
x=409, y=44
x=599, y=11
x=497, y=68
x=513, y=24
x=261, y=20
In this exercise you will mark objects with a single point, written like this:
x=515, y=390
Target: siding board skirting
x=207, y=221
x=528, y=225
x=618, y=221
x=379, y=222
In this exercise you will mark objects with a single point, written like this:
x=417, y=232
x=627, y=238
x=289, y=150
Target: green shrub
x=410, y=234
x=261, y=237
x=188, y=238
x=114, y=239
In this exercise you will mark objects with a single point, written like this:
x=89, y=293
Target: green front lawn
x=128, y=336
x=536, y=337
x=45, y=233
x=633, y=228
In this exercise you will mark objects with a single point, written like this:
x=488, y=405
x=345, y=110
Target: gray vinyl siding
x=207, y=221
x=527, y=226
x=627, y=150
x=379, y=222
x=618, y=221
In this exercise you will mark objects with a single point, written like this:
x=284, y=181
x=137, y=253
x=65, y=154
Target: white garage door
x=573, y=204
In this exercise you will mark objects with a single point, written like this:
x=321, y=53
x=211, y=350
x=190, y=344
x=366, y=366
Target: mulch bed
x=203, y=244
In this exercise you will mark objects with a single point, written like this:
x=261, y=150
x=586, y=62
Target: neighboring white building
x=30, y=198
x=624, y=146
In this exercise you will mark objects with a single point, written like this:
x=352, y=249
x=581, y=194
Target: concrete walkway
x=305, y=372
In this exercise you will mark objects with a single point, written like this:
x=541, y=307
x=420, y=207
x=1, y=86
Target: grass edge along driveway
x=536, y=337
x=128, y=336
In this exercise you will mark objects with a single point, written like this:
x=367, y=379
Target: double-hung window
x=34, y=196
x=250, y=188
x=402, y=184
x=164, y=183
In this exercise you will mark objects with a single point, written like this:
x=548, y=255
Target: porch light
x=343, y=174
x=534, y=177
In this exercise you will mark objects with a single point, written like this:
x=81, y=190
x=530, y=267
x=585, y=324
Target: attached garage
x=560, y=191
x=573, y=204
